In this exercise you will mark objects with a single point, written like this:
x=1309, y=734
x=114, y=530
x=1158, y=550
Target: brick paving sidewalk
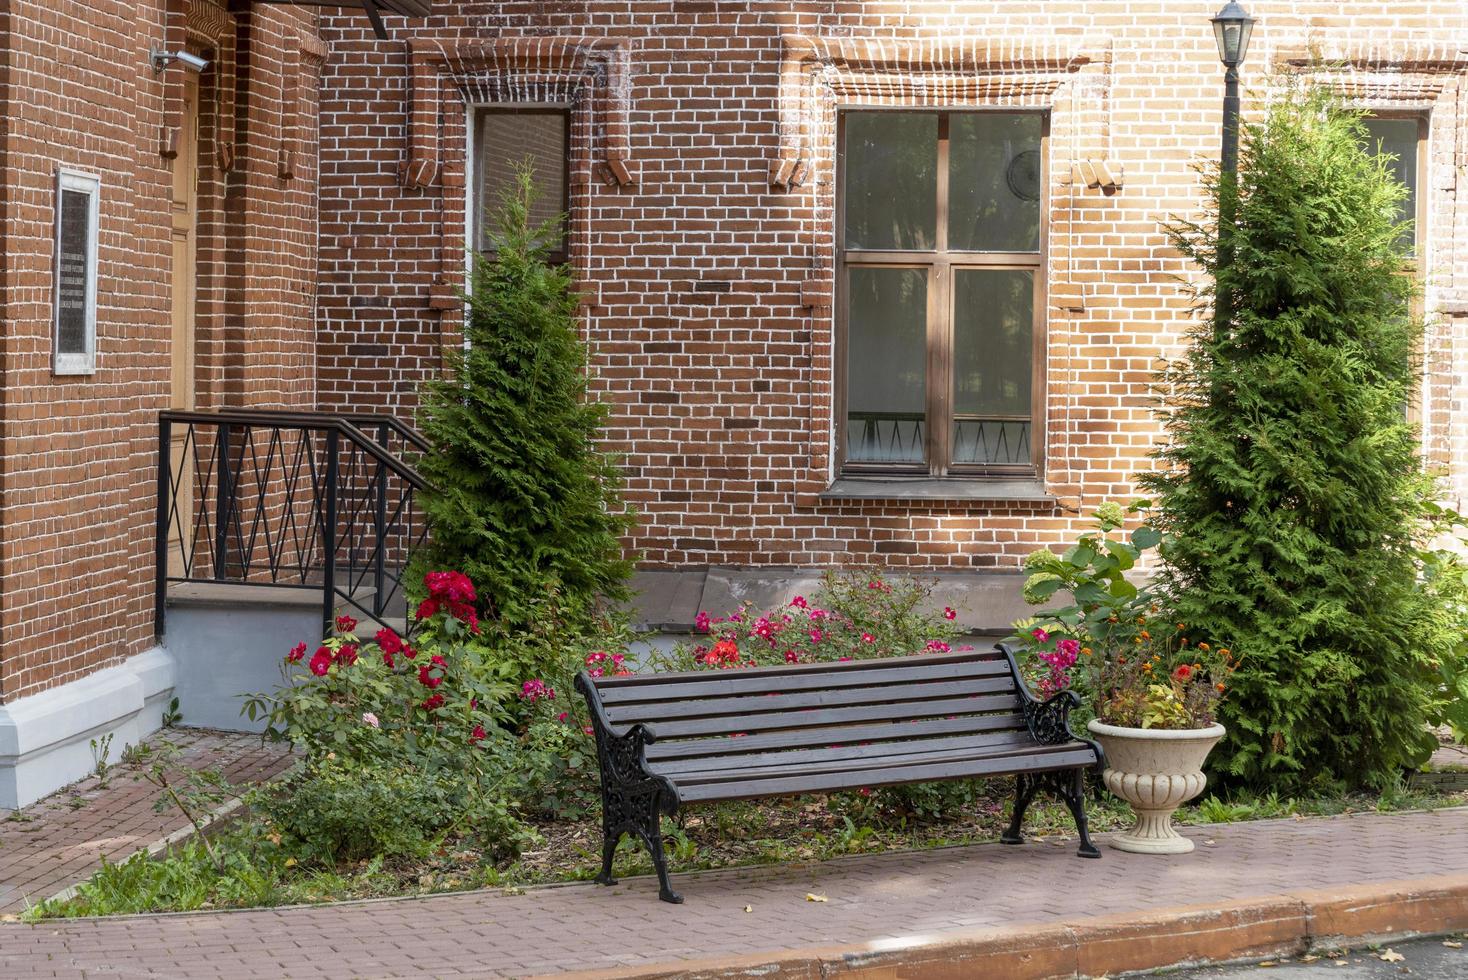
x=59, y=841
x=871, y=899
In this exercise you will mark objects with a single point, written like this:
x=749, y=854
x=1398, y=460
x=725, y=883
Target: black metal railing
x=300, y=500
x=901, y=437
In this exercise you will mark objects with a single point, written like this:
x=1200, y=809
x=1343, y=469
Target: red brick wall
x=720, y=376
x=77, y=455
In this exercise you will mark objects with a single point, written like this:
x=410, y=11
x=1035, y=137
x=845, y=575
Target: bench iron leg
x=1024, y=791
x=635, y=811
x=652, y=836
x=1075, y=798
x=1070, y=786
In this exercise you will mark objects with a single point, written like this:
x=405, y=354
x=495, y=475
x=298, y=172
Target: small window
x=1404, y=138
x=74, y=296
x=504, y=138
x=941, y=324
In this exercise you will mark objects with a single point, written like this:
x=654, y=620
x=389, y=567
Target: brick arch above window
x=568, y=68
x=989, y=71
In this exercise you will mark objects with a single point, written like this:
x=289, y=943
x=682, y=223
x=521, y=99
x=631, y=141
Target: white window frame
x=76, y=362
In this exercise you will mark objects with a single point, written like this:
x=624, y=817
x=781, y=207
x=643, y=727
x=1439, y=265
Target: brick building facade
x=864, y=281
x=704, y=213
x=205, y=252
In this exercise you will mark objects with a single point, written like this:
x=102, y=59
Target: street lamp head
x=1232, y=27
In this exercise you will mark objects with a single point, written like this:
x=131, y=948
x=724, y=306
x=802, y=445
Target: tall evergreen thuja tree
x=524, y=502
x=1291, y=489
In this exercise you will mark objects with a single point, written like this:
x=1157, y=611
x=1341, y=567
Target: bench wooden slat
x=928, y=690
x=888, y=776
x=840, y=753
x=878, y=760
x=839, y=735
x=732, y=683
x=821, y=717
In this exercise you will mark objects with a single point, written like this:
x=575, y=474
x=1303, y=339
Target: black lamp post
x=1231, y=28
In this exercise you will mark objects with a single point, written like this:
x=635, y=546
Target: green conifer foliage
x=1291, y=489
x=525, y=502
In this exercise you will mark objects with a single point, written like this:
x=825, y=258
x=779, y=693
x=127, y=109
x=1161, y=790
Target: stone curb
x=1248, y=929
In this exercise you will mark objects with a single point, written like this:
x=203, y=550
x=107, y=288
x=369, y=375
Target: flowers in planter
x=1148, y=676
x=1114, y=644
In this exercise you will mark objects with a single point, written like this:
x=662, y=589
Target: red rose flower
x=1182, y=674
x=345, y=624
x=389, y=641
x=298, y=653
x=321, y=662
x=347, y=655
x=427, y=609
x=477, y=735
x=433, y=702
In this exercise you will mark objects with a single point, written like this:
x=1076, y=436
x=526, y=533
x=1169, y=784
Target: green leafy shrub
x=344, y=809
x=1290, y=487
x=1443, y=630
x=524, y=501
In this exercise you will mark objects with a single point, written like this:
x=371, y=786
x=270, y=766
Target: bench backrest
x=948, y=698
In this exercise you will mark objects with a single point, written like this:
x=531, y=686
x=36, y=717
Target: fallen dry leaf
x=749, y=908
x=1340, y=963
x=1268, y=963
x=1452, y=945
x=1390, y=955
x=1308, y=959
x=813, y=897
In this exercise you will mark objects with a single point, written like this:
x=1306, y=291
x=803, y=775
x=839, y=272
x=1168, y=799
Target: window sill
x=929, y=488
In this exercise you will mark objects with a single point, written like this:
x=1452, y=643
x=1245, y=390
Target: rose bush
x=853, y=615
x=387, y=695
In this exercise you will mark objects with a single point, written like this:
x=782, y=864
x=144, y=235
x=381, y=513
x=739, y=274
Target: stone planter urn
x=1156, y=770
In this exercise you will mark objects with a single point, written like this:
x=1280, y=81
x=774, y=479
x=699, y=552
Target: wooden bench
x=665, y=740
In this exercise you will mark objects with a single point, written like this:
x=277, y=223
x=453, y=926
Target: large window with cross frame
x=940, y=309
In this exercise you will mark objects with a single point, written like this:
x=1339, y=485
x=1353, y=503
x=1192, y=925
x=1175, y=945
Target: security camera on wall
x=192, y=62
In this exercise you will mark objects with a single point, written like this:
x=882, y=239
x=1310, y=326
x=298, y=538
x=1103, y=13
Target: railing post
x=223, y=496
x=328, y=571
x=160, y=545
x=379, y=526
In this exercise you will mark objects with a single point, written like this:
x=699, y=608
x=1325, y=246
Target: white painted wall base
x=45, y=738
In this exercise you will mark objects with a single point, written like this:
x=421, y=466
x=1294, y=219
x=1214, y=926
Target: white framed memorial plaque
x=74, y=298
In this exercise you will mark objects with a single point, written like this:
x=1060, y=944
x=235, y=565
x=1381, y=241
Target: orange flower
x=1220, y=687
x=1146, y=635
x=1203, y=646
x=1086, y=651
x=1182, y=626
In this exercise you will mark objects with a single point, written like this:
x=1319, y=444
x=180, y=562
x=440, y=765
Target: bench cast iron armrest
x=1048, y=720
x=621, y=754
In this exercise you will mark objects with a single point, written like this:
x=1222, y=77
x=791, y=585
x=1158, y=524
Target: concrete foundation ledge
x=1239, y=931
x=45, y=739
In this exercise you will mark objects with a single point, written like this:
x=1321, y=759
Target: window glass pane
x=74, y=271
x=994, y=181
x=1399, y=138
x=507, y=139
x=993, y=358
x=891, y=169
x=886, y=365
